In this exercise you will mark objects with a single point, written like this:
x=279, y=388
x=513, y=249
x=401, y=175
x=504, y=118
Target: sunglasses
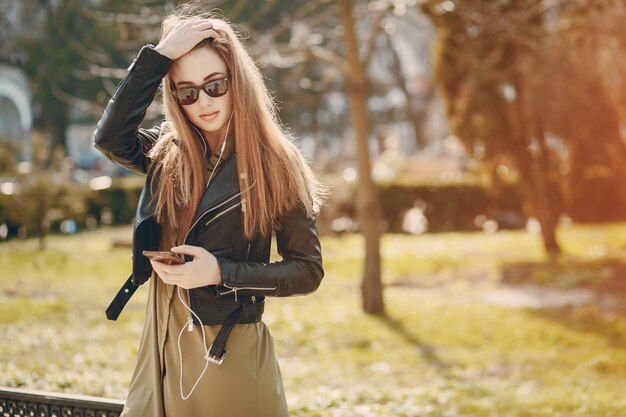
x=213, y=88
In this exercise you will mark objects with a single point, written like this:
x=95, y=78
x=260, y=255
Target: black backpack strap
x=121, y=298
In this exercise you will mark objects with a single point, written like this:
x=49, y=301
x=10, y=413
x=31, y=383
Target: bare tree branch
x=540, y=8
x=79, y=103
x=133, y=19
x=107, y=72
x=109, y=86
x=327, y=16
x=299, y=14
x=331, y=57
x=92, y=108
x=267, y=6
x=80, y=49
x=374, y=30
x=318, y=52
x=234, y=13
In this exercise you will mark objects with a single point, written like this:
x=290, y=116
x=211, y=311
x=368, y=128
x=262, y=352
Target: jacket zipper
x=210, y=221
x=190, y=327
x=229, y=199
x=185, y=242
x=235, y=289
x=187, y=234
x=221, y=213
x=205, y=212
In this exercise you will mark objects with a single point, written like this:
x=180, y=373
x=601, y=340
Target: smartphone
x=167, y=257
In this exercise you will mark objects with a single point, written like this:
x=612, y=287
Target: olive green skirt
x=248, y=383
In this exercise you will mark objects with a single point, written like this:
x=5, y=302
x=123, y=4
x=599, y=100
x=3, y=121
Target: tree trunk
x=533, y=175
x=53, y=123
x=549, y=203
x=367, y=203
x=42, y=242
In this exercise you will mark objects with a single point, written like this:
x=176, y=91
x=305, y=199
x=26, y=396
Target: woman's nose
x=204, y=98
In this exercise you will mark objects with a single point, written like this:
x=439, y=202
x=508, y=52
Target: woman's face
x=209, y=114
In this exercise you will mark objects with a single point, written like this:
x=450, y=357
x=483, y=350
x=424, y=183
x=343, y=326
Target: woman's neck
x=214, y=139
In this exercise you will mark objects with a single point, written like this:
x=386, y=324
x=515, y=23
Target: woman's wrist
x=162, y=51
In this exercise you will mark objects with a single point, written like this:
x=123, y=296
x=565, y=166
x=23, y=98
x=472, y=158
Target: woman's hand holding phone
x=201, y=271
x=166, y=257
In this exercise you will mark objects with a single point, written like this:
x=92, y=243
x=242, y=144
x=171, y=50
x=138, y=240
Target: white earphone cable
x=189, y=323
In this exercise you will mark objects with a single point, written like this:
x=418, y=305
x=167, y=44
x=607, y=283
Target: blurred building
x=16, y=116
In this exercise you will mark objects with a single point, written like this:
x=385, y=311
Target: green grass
x=440, y=352
x=18, y=308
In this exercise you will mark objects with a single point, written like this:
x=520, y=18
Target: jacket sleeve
x=299, y=272
x=118, y=135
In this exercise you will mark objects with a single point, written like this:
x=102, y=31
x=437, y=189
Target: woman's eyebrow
x=205, y=78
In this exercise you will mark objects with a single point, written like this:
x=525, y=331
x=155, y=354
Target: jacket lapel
x=223, y=185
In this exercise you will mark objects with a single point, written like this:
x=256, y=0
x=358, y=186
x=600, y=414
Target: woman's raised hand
x=183, y=37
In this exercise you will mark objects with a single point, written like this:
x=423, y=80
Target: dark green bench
x=22, y=402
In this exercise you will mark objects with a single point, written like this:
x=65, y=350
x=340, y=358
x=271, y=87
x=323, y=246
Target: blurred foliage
x=75, y=53
x=43, y=194
x=65, y=55
x=9, y=149
x=446, y=207
x=120, y=199
x=495, y=63
x=540, y=84
x=453, y=207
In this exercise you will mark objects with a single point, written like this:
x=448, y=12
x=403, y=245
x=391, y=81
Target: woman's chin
x=213, y=129
x=210, y=126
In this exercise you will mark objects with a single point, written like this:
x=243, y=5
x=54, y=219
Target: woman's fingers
x=170, y=269
x=195, y=251
x=202, y=23
x=183, y=37
x=212, y=33
x=173, y=274
x=166, y=277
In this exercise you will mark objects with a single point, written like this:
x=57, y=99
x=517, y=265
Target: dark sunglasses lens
x=187, y=96
x=216, y=88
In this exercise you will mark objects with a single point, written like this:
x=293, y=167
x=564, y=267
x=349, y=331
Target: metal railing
x=22, y=402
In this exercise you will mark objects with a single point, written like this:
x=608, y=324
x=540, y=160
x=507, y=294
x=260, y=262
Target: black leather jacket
x=244, y=264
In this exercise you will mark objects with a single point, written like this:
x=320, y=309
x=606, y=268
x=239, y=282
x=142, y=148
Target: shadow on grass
x=600, y=275
x=604, y=279
x=428, y=352
x=588, y=319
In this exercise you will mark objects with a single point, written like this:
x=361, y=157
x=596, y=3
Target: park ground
x=477, y=325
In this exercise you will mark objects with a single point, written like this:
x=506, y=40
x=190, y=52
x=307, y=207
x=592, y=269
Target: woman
x=221, y=177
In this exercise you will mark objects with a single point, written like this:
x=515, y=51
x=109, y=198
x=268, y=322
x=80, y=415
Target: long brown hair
x=266, y=156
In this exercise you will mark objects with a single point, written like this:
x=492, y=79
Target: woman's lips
x=209, y=116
